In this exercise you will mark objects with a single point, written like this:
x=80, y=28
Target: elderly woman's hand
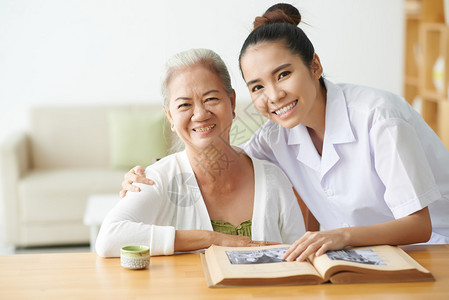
x=228, y=240
x=136, y=174
x=188, y=240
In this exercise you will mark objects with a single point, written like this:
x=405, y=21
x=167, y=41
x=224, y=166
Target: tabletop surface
x=87, y=276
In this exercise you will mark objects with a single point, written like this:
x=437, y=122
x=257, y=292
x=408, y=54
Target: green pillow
x=136, y=138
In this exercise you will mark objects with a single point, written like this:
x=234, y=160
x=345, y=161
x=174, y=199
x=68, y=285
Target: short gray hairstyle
x=189, y=58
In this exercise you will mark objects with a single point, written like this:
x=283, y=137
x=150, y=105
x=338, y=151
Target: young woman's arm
x=415, y=228
x=400, y=162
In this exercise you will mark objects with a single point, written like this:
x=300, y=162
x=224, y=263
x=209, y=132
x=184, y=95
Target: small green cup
x=135, y=257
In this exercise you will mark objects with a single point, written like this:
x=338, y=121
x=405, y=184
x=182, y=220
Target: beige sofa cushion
x=74, y=137
x=61, y=195
x=61, y=233
x=62, y=137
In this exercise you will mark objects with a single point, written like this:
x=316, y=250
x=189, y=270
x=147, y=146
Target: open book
x=234, y=266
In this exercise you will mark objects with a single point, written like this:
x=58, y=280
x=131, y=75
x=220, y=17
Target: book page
x=260, y=262
x=380, y=258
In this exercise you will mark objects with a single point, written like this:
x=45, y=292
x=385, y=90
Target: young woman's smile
x=286, y=110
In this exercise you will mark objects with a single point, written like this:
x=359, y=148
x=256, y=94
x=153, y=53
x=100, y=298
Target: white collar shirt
x=380, y=161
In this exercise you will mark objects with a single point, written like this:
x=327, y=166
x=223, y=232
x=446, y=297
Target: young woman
x=210, y=193
x=365, y=163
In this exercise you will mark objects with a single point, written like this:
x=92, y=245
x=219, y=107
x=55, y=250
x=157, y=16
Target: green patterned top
x=243, y=229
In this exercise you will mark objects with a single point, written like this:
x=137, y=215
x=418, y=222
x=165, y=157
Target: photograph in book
x=238, y=266
x=363, y=256
x=262, y=256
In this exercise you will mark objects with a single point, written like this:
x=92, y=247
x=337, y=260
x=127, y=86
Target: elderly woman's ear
x=169, y=117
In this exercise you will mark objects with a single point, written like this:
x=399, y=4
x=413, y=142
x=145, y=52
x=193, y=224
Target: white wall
x=112, y=51
x=90, y=51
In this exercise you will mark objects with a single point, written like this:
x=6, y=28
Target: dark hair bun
x=279, y=13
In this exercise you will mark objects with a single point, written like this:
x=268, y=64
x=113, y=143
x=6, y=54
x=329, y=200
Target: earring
x=233, y=114
x=172, y=126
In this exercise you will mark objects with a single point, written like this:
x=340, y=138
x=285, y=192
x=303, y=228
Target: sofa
x=71, y=152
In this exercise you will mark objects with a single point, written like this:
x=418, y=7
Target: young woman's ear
x=233, y=102
x=317, y=68
x=169, y=117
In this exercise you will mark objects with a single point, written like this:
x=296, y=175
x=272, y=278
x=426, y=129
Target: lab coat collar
x=338, y=127
x=338, y=131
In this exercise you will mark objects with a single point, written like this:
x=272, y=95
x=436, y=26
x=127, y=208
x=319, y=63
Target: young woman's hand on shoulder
x=136, y=174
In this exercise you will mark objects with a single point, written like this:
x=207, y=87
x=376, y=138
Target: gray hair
x=189, y=58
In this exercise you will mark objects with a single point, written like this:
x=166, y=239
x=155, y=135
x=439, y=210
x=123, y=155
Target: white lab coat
x=380, y=161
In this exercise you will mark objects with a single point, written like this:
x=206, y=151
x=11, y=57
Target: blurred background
x=103, y=51
x=111, y=52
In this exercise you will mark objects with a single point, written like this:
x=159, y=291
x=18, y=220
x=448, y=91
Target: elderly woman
x=212, y=192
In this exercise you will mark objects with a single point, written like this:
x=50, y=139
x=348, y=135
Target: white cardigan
x=174, y=202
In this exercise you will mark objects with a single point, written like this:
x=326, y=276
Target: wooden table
x=87, y=276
